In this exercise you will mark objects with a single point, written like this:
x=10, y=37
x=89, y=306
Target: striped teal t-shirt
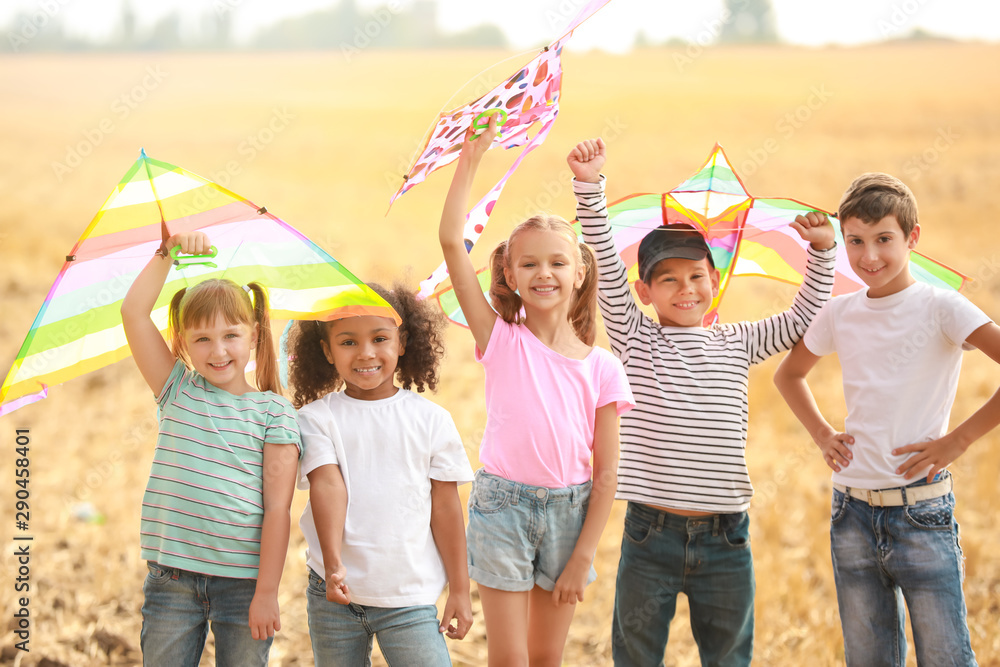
x=203, y=507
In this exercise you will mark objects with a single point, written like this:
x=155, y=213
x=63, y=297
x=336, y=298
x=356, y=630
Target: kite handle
x=481, y=123
x=189, y=260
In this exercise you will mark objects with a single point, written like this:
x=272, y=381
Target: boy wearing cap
x=682, y=468
x=900, y=346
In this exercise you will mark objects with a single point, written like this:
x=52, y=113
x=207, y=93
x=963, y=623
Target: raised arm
x=790, y=379
x=151, y=353
x=328, y=499
x=938, y=454
x=448, y=528
x=780, y=332
x=570, y=584
x=478, y=313
x=614, y=297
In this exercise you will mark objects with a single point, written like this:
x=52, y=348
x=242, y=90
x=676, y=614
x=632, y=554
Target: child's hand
x=191, y=243
x=475, y=147
x=457, y=608
x=570, y=584
x=836, y=449
x=337, y=589
x=815, y=228
x=938, y=454
x=265, y=619
x=587, y=159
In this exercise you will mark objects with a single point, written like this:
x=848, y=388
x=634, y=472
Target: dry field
x=323, y=143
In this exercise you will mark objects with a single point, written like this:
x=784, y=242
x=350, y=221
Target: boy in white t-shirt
x=900, y=346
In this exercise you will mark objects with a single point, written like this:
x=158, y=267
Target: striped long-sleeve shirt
x=683, y=445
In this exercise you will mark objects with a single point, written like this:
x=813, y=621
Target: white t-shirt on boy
x=900, y=356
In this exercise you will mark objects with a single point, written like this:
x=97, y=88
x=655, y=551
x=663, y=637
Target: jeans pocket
x=582, y=497
x=932, y=514
x=637, y=532
x=316, y=585
x=157, y=574
x=737, y=535
x=838, y=506
x=487, y=499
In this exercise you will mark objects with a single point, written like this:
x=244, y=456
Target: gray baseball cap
x=670, y=241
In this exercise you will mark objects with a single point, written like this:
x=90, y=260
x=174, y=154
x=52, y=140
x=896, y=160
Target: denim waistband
x=526, y=492
x=664, y=520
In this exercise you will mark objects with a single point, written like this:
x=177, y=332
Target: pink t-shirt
x=541, y=407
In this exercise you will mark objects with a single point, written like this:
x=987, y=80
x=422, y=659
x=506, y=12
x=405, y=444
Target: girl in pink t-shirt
x=538, y=507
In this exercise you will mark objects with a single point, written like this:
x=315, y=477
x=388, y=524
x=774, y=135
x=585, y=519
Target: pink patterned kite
x=528, y=97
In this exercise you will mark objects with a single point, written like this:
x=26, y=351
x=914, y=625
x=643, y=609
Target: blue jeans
x=176, y=612
x=885, y=555
x=706, y=558
x=341, y=635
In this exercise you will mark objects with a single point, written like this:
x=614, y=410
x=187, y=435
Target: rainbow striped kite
x=79, y=329
x=749, y=236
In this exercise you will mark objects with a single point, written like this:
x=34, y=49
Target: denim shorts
x=521, y=535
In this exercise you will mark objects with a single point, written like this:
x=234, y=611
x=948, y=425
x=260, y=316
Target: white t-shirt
x=388, y=452
x=901, y=356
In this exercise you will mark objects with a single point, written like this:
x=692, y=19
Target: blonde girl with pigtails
x=215, y=514
x=550, y=448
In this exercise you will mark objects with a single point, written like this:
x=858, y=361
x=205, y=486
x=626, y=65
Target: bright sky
x=529, y=22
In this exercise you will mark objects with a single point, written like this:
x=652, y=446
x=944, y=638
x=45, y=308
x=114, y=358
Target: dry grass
x=330, y=172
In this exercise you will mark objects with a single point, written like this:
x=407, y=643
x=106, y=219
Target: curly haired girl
x=399, y=458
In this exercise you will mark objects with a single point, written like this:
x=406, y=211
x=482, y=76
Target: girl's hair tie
x=246, y=288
